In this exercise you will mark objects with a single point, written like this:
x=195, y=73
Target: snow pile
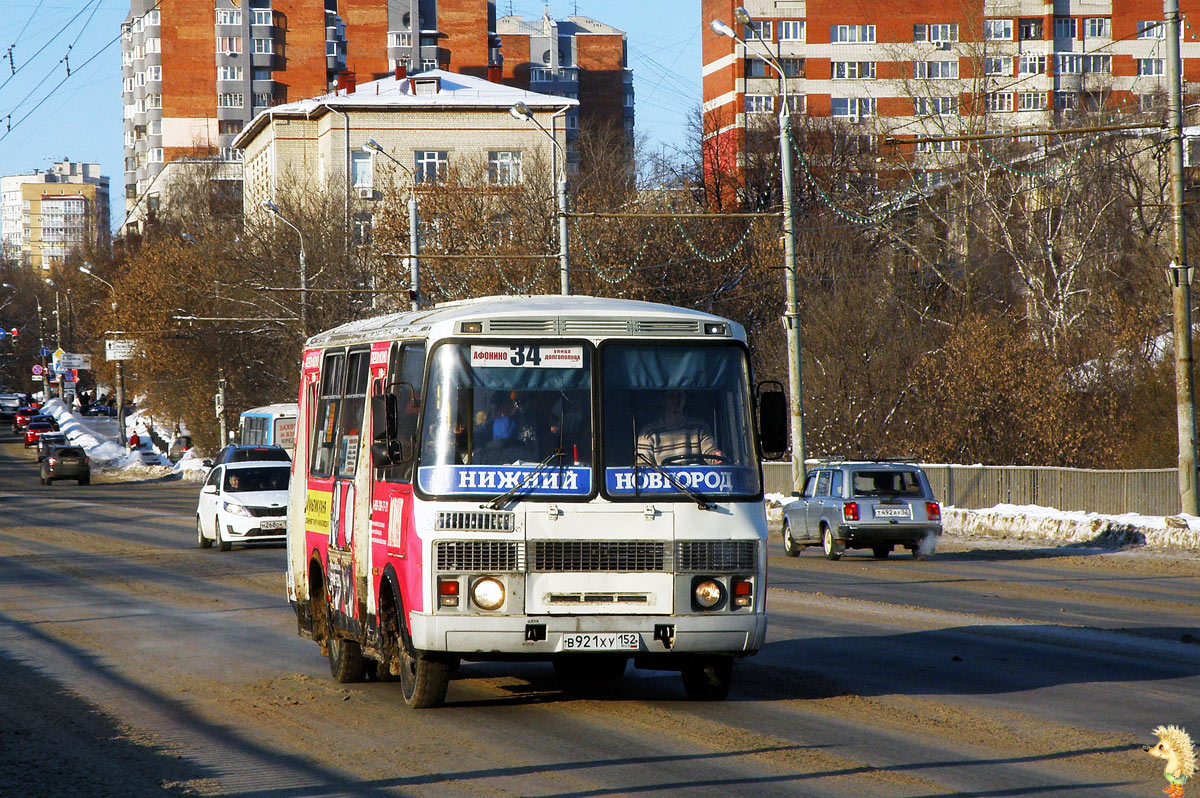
x=106, y=454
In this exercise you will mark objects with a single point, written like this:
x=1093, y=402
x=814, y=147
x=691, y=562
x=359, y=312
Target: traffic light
x=13, y=332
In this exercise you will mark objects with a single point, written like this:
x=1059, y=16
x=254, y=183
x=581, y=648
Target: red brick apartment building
x=195, y=73
x=918, y=68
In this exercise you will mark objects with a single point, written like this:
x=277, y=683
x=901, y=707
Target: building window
x=153, y=102
x=853, y=107
x=1031, y=64
x=154, y=74
x=362, y=169
x=947, y=32
x=229, y=73
x=760, y=103
x=229, y=127
x=997, y=65
x=1148, y=102
x=504, y=167
x=363, y=223
x=260, y=16
x=263, y=99
x=262, y=47
x=1066, y=100
x=852, y=70
x=231, y=100
x=428, y=64
x=757, y=68
x=1068, y=63
x=1030, y=29
x=399, y=39
x=1097, y=64
x=431, y=165
x=793, y=67
x=1150, y=67
x=1064, y=27
x=154, y=127
x=1097, y=28
x=937, y=146
x=155, y=155
x=542, y=75
x=153, y=45
x=935, y=69
x=1150, y=29
x=852, y=34
x=229, y=44
x=1031, y=101
x=628, y=99
x=152, y=17
x=759, y=27
x=229, y=16
x=791, y=30
x=261, y=73
x=127, y=84
x=934, y=106
x=138, y=80
x=797, y=103
x=998, y=30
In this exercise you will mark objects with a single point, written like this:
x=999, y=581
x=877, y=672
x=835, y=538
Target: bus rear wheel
x=708, y=678
x=346, y=662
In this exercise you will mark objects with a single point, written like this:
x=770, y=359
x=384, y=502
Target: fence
x=1143, y=491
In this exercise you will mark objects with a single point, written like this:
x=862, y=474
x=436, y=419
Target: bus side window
x=407, y=370
x=353, y=404
x=325, y=428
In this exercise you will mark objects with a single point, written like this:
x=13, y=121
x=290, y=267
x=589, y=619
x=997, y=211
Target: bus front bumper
x=548, y=635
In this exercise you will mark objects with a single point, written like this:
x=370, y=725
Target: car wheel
x=201, y=541
x=790, y=547
x=346, y=662
x=222, y=543
x=833, y=548
x=707, y=678
x=881, y=552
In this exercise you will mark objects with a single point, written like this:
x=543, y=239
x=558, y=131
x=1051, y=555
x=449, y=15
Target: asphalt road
x=133, y=663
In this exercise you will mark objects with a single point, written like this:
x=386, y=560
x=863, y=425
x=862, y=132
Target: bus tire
x=424, y=677
x=346, y=662
x=707, y=678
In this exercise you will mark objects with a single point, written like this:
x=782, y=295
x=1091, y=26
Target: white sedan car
x=243, y=503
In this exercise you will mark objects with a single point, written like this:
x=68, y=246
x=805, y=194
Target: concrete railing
x=1143, y=491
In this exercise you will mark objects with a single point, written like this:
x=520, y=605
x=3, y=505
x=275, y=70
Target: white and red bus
x=555, y=478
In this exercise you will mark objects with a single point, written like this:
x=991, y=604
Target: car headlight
x=708, y=594
x=236, y=509
x=487, y=593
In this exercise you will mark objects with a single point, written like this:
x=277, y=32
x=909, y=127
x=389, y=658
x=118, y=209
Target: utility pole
x=42, y=351
x=219, y=402
x=121, y=405
x=414, y=253
x=1179, y=273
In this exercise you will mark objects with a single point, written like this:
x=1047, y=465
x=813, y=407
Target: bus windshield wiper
x=696, y=497
x=495, y=503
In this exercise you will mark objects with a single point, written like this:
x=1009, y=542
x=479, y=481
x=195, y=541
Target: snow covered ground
x=1011, y=523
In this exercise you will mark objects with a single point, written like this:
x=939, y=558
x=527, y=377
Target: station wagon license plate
x=272, y=524
x=616, y=641
x=893, y=512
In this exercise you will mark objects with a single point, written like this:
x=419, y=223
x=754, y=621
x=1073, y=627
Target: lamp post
x=273, y=209
x=521, y=111
x=414, y=240
x=791, y=314
x=120, y=367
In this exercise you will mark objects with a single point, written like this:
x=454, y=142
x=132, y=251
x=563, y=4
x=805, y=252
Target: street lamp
x=521, y=111
x=791, y=314
x=273, y=209
x=414, y=241
x=120, y=367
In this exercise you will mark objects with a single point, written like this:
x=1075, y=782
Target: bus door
x=334, y=465
x=392, y=492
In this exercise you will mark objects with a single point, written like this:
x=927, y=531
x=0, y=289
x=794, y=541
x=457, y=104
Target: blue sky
x=44, y=118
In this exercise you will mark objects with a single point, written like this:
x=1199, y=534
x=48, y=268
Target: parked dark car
x=47, y=441
x=67, y=462
x=39, y=418
x=35, y=429
x=234, y=453
x=864, y=505
x=179, y=446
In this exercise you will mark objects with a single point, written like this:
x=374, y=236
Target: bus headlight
x=487, y=593
x=707, y=594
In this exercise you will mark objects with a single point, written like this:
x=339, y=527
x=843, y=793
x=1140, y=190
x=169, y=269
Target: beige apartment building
x=430, y=124
x=45, y=214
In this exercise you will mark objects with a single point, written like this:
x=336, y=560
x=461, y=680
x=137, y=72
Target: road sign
x=37, y=371
x=44, y=351
x=75, y=360
x=120, y=349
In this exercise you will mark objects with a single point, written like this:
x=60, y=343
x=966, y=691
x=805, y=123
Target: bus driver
x=676, y=439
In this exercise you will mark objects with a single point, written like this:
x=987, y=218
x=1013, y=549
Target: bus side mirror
x=772, y=421
x=383, y=430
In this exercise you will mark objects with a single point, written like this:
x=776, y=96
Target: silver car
x=863, y=505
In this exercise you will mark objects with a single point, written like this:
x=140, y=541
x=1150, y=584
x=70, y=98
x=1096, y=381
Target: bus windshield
x=500, y=415
x=677, y=415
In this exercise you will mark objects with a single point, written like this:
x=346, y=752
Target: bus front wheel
x=708, y=678
x=424, y=678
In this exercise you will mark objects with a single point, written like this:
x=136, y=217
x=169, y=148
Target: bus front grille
x=608, y=556
x=716, y=556
x=489, y=556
